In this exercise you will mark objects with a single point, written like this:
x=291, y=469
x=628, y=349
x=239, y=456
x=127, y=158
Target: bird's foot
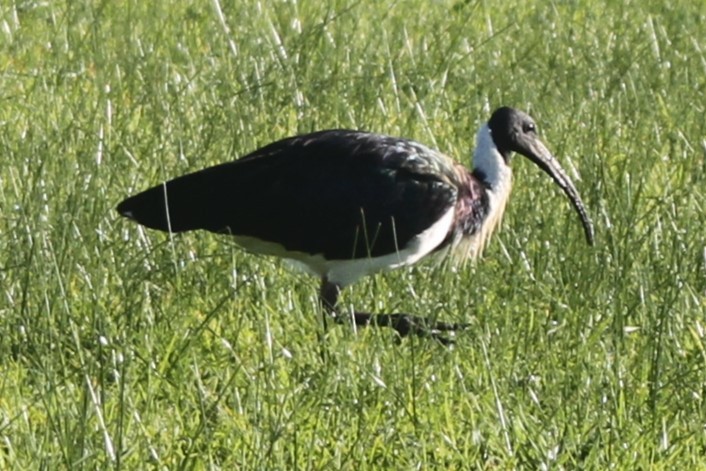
x=407, y=324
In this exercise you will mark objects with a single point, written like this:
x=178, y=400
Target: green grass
x=123, y=348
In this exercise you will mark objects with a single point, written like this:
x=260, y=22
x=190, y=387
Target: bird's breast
x=479, y=211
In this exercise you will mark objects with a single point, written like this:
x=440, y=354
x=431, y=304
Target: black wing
x=342, y=194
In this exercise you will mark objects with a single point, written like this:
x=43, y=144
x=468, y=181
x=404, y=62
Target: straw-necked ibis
x=345, y=204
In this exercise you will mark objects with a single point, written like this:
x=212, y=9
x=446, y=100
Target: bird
x=344, y=204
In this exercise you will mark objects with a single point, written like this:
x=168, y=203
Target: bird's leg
x=407, y=324
x=328, y=296
x=404, y=324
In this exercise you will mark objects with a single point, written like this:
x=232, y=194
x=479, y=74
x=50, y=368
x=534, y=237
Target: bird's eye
x=529, y=128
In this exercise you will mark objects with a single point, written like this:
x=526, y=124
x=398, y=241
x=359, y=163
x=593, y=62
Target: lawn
x=124, y=348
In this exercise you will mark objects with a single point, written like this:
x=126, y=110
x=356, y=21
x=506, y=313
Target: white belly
x=345, y=272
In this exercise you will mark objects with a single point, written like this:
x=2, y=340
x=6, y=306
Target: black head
x=515, y=131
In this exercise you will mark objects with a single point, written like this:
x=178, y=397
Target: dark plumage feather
x=342, y=194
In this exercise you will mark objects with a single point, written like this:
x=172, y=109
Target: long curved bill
x=540, y=155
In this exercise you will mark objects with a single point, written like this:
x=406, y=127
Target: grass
x=123, y=348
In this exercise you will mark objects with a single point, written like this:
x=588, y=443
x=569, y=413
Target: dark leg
x=329, y=296
x=404, y=324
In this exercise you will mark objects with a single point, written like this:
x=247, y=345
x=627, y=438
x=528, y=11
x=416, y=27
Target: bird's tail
x=183, y=204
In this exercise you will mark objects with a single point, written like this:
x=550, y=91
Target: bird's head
x=512, y=130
